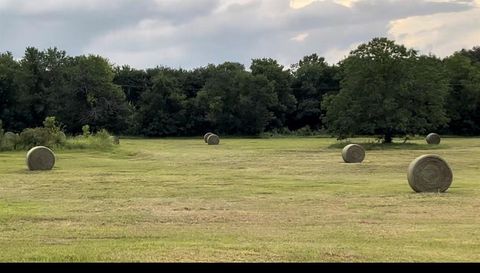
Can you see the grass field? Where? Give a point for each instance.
(283, 199)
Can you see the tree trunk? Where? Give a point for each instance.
(388, 136)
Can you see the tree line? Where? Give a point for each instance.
(381, 88)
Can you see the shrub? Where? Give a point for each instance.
(102, 140)
(51, 135)
(86, 130)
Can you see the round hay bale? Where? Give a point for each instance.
(62, 136)
(429, 173)
(116, 140)
(353, 153)
(205, 137)
(40, 158)
(11, 137)
(433, 138)
(213, 139)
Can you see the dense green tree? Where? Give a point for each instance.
(162, 108)
(32, 94)
(313, 78)
(197, 122)
(41, 82)
(281, 80)
(473, 54)
(387, 90)
(56, 64)
(219, 97)
(257, 101)
(92, 97)
(134, 82)
(463, 105)
(8, 88)
(236, 101)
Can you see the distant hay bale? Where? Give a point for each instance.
(353, 153)
(10, 140)
(429, 173)
(213, 139)
(205, 137)
(116, 140)
(40, 158)
(433, 138)
(11, 137)
(62, 136)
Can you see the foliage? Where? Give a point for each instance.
(281, 80)
(313, 79)
(162, 108)
(9, 87)
(463, 105)
(387, 90)
(50, 135)
(86, 130)
(236, 101)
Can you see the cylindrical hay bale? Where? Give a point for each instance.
(11, 137)
(62, 137)
(433, 138)
(429, 173)
(353, 153)
(40, 158)
(213, 139)
(205, 137)
(115, 140)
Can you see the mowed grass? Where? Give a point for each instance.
(285, 199)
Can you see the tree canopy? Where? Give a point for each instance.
(387, 90)
(382, 88)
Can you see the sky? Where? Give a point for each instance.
(193, 33)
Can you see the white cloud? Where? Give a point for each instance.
(300, 37)
(440, 34)
(191, 33)
(43, 6)
(347, 3)
(298, 4)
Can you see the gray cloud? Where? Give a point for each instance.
(194, 33)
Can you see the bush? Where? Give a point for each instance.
(102, 140)
(8, 140)
(304, 131)
(32, 137)
(51, 135)
(86, 131)
(3, 145)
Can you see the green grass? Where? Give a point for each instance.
(283, 199)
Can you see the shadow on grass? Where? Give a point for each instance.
(388, 146)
